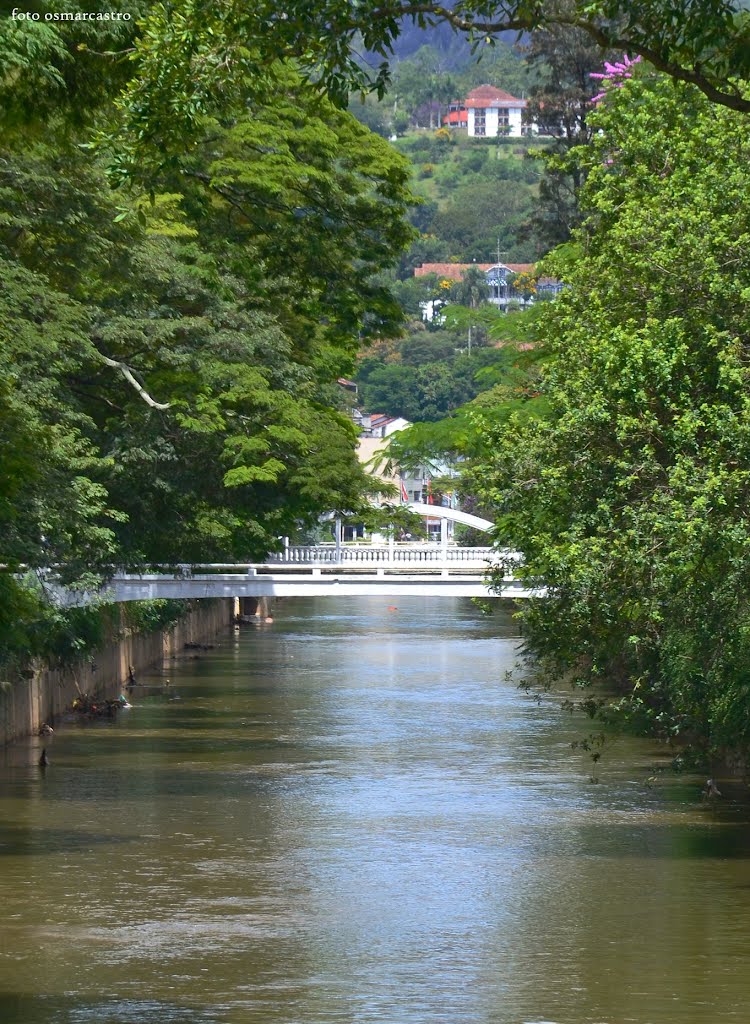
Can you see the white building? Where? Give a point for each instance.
(501, 281)
(492, 112)
(413, 486)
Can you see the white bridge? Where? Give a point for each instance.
(413, 569)
(418, 570)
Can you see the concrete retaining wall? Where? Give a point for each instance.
(26, 704)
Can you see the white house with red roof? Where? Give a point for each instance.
(491, 112)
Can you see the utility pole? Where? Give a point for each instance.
(500, 253)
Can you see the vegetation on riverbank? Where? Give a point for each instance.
(629, 499)
(169, 344)
(169, 348)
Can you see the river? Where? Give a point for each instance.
(352, 815)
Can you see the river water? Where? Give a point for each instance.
(352, 815)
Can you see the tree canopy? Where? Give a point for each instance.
(629, 499)
(170, 350)
(195, 57)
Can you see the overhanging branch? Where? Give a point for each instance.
(724, 95)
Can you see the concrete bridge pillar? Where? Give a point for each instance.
(253, 607)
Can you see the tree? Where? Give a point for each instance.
(471, 290)
(630, 500)
(422, 347)
(423, 86)
(393, 389)
(371, 114)
(495, 63)
(168, 357)
(559, 103)
(196, 58)
(478, 214)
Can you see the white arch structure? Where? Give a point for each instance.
(450, 515)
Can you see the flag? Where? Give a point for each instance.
(429, 493)
(404, 495)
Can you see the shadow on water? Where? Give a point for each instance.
(667, 840)
(20, 1009)
(16, 841)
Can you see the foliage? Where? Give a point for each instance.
(507, 382)
(428, 376)
(153, 616)
(472, 197)
(560, 103)
(196, 58)
(424, 87)
(393, 520)
(169, 356)
(630, 501)
(471, 290)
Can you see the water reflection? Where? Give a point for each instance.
(351, 815)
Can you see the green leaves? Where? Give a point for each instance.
(631, 500)
(169, 352)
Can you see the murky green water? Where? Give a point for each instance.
(350, 816)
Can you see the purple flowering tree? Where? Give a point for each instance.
(614, 75)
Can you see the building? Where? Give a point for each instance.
(502, 280)
(377, 424)
(414, 485)
(493, 112)
(457, 116)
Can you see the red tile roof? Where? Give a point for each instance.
(455, 271)
(489, 96)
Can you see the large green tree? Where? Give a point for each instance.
(560, 102)
(630, 501)
(169, 352)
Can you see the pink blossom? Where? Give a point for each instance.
(614, 74)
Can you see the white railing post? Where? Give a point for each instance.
(338, 539)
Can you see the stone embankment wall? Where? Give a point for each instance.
(25, 705)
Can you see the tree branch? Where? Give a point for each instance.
(729, 97)
(128, 375)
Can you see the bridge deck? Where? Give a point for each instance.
(312, 584)
(414, 570)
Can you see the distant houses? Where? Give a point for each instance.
(508, 282)
(457, 116)
(488, 112)
(413, 485)
(379, 425)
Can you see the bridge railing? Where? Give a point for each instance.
(371, 554)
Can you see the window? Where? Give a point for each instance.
(480, 118)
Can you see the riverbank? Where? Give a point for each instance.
(42, 697)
